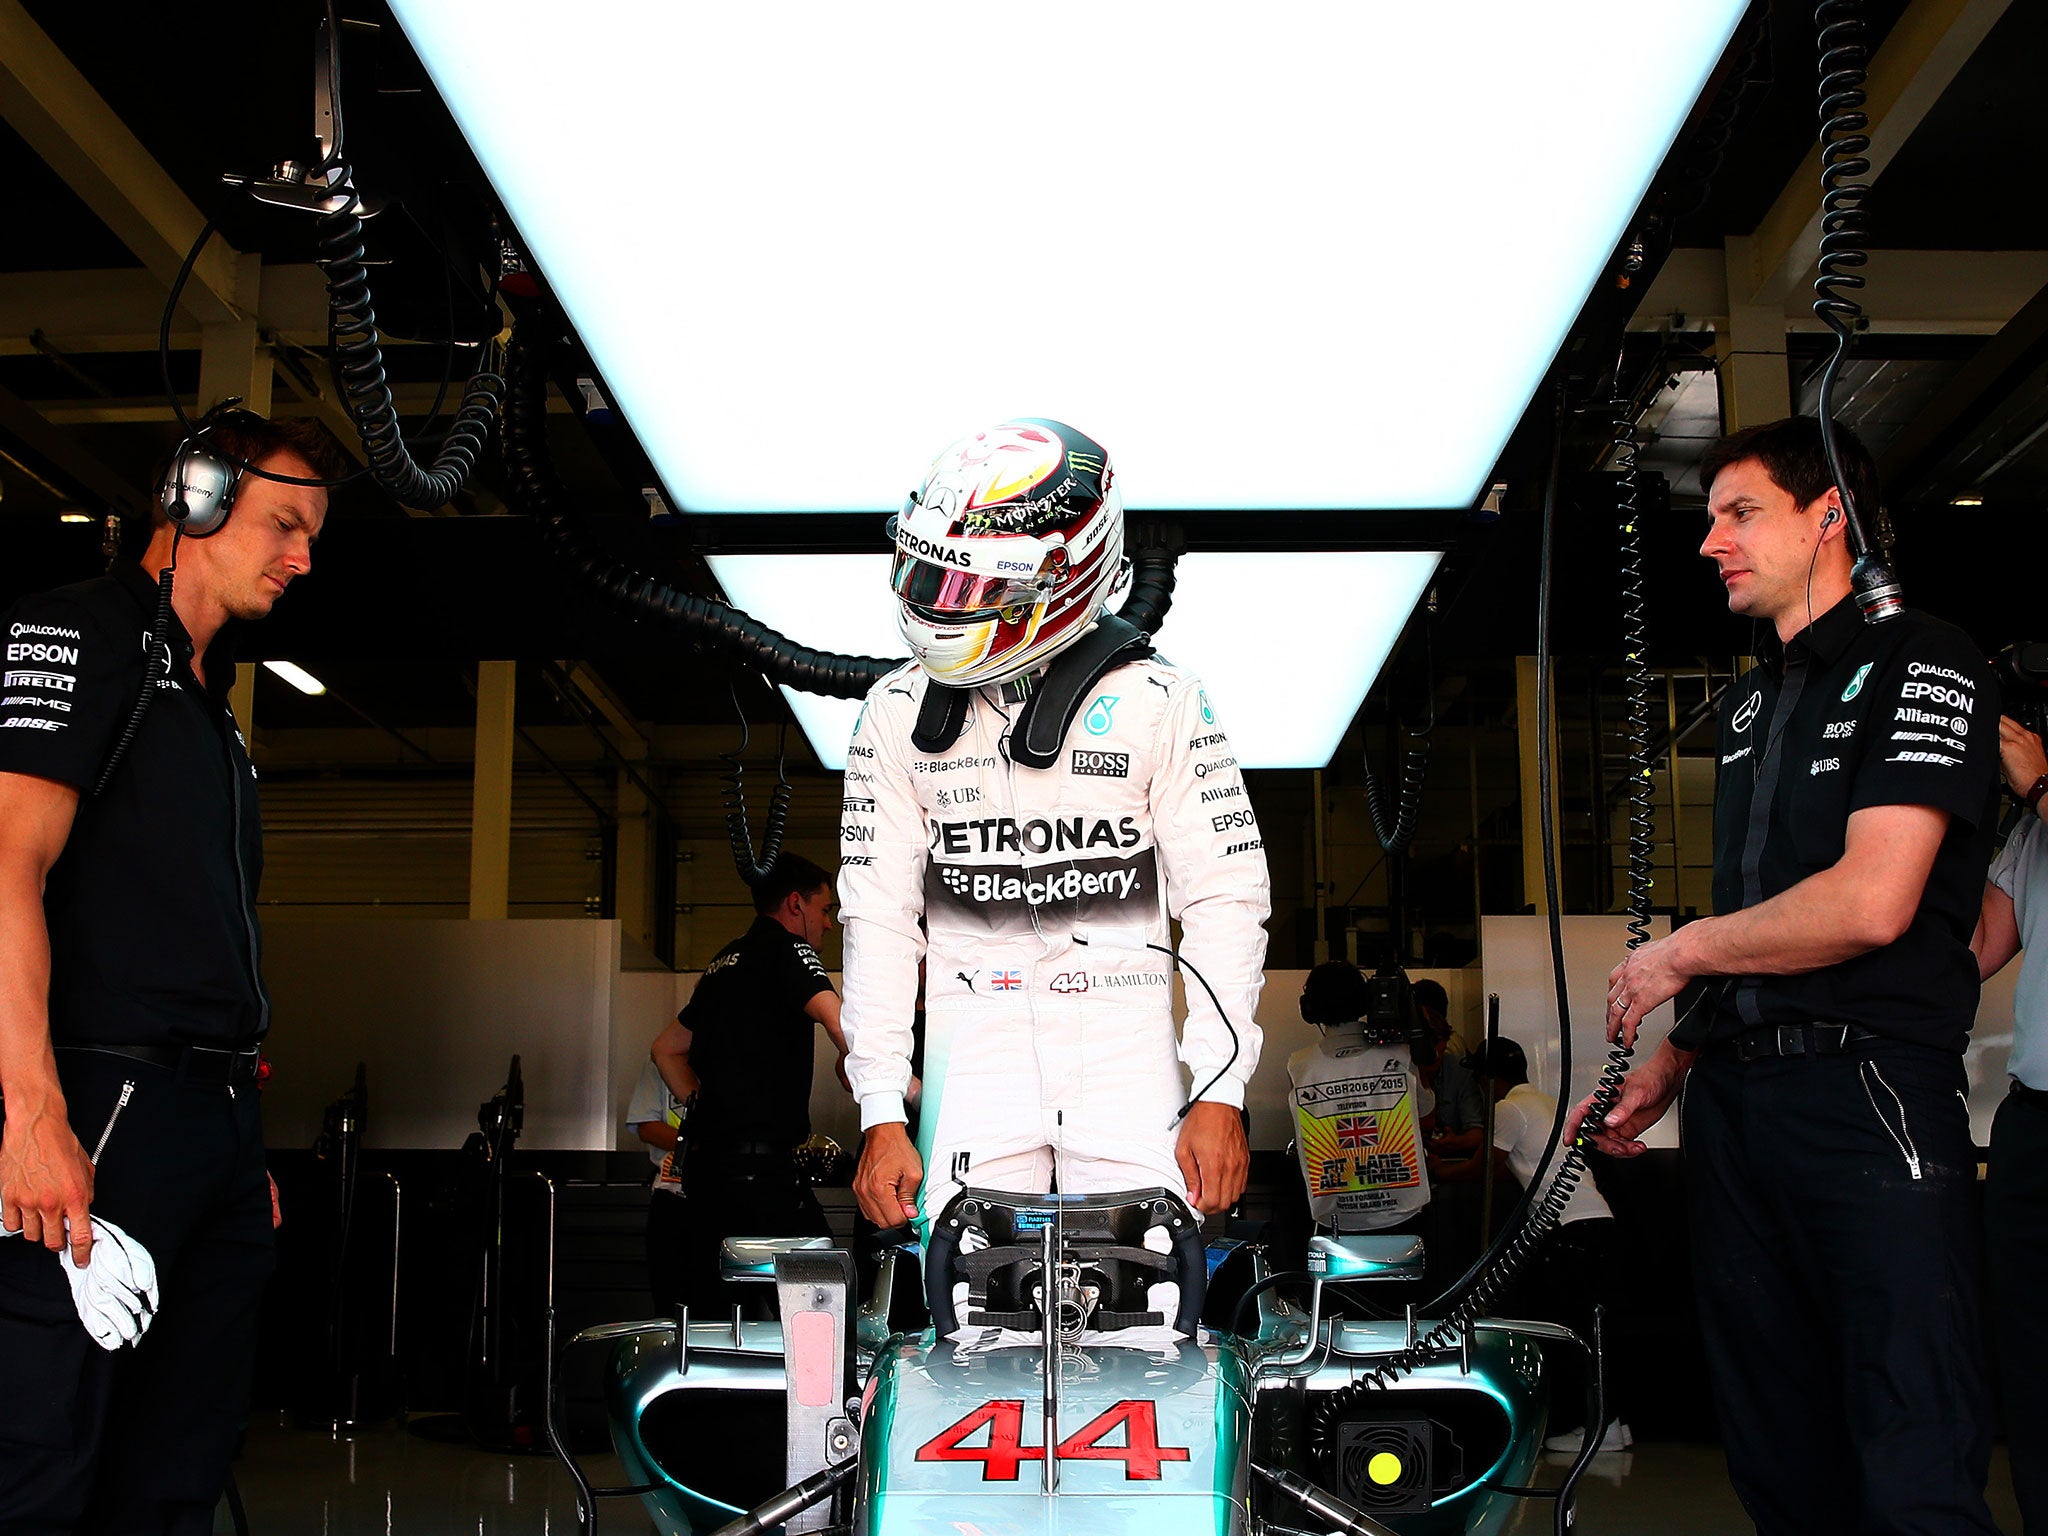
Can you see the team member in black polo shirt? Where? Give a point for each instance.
(1829, 1165)
(742, 1047)
(131, 1002)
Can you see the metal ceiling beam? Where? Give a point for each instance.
(1949, 293)
(1942, 424)
(1921, 55)
(118, 309)
(53, 107)
(54, 448)
(606, 701)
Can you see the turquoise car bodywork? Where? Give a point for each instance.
(1156, 1434)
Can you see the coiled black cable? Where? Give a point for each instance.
(1397, 832)
(754, 870)
(1469, 1297)
(1636, 728)
(154, 667)
(1845, 159)
(539, 492)
(358, 363)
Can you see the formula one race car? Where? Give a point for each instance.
(864, 1419)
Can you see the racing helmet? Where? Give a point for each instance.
(1007, 551)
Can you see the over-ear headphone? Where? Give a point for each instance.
(199, 488)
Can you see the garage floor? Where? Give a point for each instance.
(385, 1482)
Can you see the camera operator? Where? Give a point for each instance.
(2015, 917)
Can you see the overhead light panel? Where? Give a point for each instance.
(1254, 250)
(298, 677)
(1285, 643)
(73, 515)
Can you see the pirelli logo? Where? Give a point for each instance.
(49, 682)
(1102, 765)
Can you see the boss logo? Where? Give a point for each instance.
(1102, 765)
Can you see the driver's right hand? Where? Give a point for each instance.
(1646, 1093)
(890, 1172)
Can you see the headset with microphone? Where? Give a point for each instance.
(199, 487)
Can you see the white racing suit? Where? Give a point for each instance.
(1037, 1042)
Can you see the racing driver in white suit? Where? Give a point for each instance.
(1033, 864)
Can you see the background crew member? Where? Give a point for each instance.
(657, 1117)
(1460, 1109)
(1576, 1268)
(742, 1048)
(131, 1002)
(2015, 916)
(1829, 1166)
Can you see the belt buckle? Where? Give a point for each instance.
(1831, 1037)
(1789, 1040)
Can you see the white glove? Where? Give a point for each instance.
(116, 1292)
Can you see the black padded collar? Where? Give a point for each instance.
(1047, 715)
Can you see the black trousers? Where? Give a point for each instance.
(1834, 1241)
(742, 1198)
(668, 1226)
(139, 1440)
(2016, 1241)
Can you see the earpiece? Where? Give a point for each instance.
(1834, 516)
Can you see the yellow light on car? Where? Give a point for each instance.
(1384, 1469)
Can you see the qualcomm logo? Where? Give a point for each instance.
(1097, 719)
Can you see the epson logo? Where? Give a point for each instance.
(1231, 819)
(1102, 765)
(999, 834)
(38, 650)
(925, 549)
(1954, 698)
(52, 630)
(856, 834)
(53, 682)
(1224, 792)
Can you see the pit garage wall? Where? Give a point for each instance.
(436, 1008)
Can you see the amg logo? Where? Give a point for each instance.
(1255, 843)
(1102, 765)
(1227, 792)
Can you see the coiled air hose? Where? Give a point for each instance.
(1397, 832)
(358, 361)
(539, 492)
(1845, 148)
(1469, 1297)
(752, 869)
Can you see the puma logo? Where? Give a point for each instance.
(966, 978)
(1160, 684)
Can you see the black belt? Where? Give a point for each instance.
(1799, 1040)
(743, 1151)
(228, 1065)
(2033, 1096)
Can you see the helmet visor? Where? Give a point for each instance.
(942, 591)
